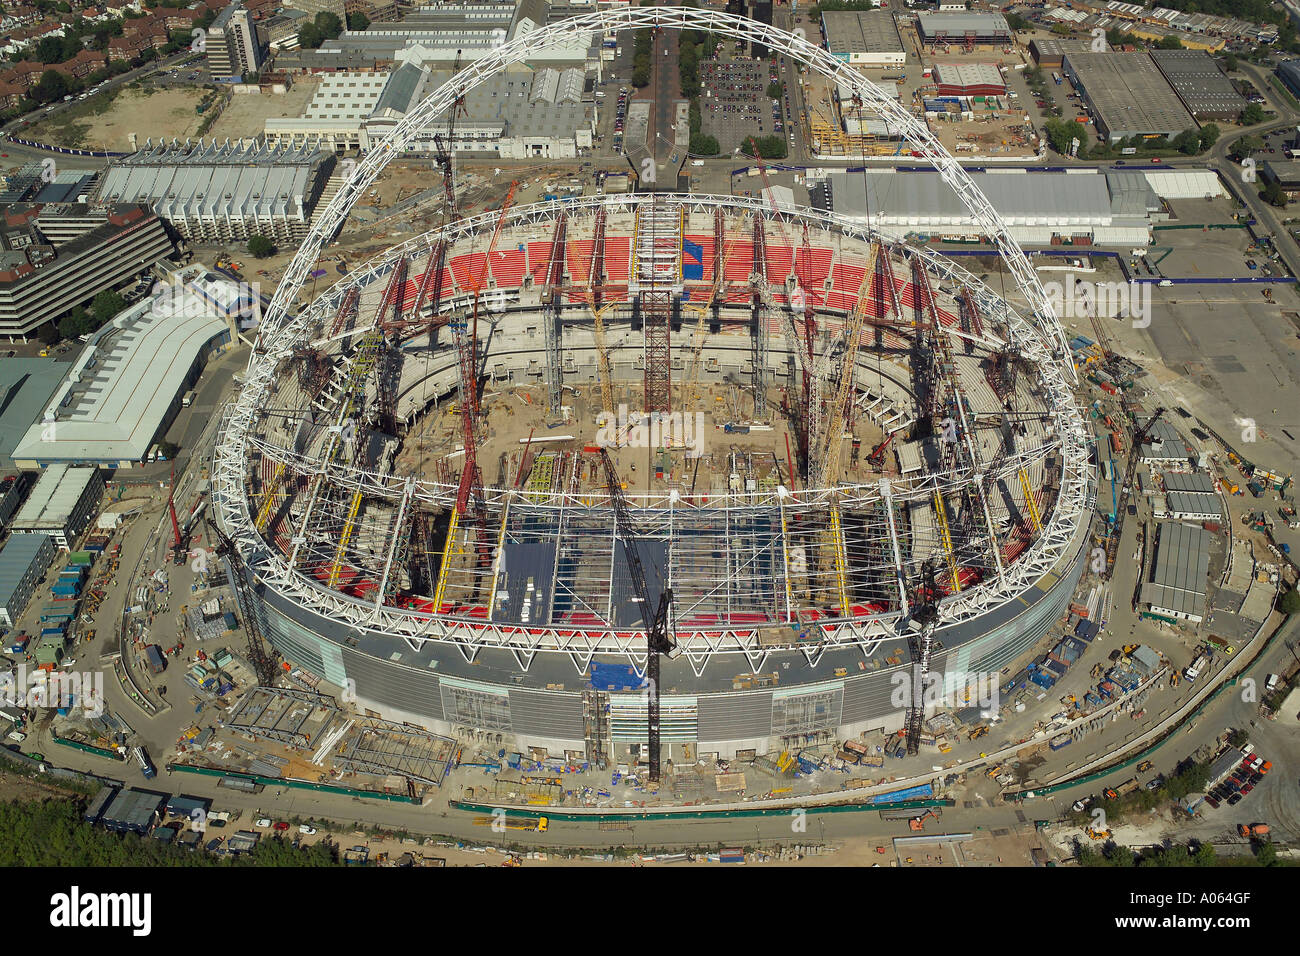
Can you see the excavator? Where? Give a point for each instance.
(918, 823)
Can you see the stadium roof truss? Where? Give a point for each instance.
(1039, 340)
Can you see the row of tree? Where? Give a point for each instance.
(52, 833)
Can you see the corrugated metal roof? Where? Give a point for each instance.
(1178, 579)
(56, 493)
(16, 559)
(1021, 198)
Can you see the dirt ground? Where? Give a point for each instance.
(149, 112)
(247, 113)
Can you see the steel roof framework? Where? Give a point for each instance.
(1040, 339)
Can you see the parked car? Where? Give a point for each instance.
(262, 822)
(281, 827)
(308, 831)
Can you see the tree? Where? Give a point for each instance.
(1060, 134)
(259, 247)
(1244, 146)
(309, 37)
(53, 86)
(329, 25)
(357, 22)
(704, 145)
(641, 75)
(1252, 114)
(1169, 42)
(168, 449)
(1230, 63)
(1273, 195)
(1061, 29)
(1290, 602)
(774, 90)
(1209, 136)
(106, 305)
(1016, 22)
(1188, 142)
(48, 334)
(769, 147)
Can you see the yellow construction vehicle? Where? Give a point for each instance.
(539, 825)
(978, 732)
(1098, 834)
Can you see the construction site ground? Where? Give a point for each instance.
(105, 121)
(246, 114)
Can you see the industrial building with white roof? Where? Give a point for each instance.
(863, 38)
(1176, 588)
(1108, 208)
(516, 114)
(224, 192)
(61, 504)
(120, 395)
(1128, 95)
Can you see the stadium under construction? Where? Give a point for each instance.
(835, 442)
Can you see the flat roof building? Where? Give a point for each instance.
(969, 79)
(864, 38)
(1128, 95)
(24, 559)
(1036, 206)
(26, 386)
(61, 504)
(1177, 585)
(1196, 78)
(227, 192)
(55, 258)
(1164, 445)
(133, 811)
(516, 114)
(121, 394)
(963, 29)
(1049, 52)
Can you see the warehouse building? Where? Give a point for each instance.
(1285, 173)
(227, 192)
(1128, 95)
(1196, 78)
(440, 36)
(133, 811)
(55, 258)
(1049, 53)
(1164, 446)
(1037, 207)
(516, 114)
(24, 559)
(969, 79)
(61, 504)
(1289, 73)
(26, 386)
(1177, 586)
(864, 38)
(1190, 496)
(121, 394)
(963, 29)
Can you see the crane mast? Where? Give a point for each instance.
(658, 631)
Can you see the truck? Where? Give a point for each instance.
(146, 765)
(188, 399)
(1193, 670)
(153, 655)
(1252, 830)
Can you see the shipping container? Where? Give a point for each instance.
(1062, 740)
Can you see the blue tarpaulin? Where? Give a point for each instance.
(692, 260)
(615, 677)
